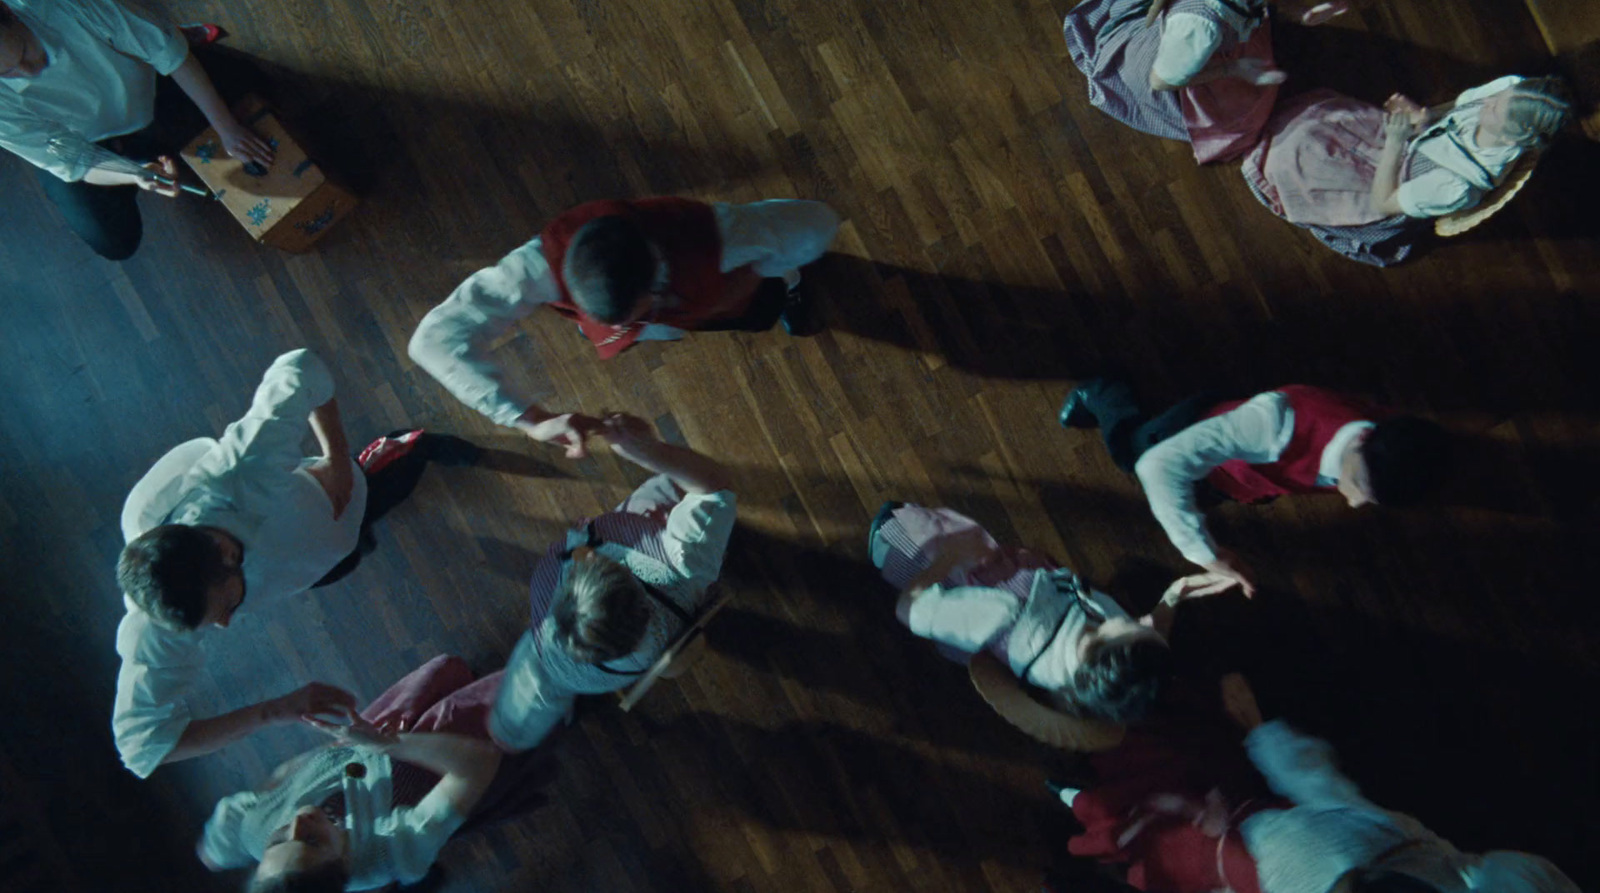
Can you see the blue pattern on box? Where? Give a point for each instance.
(318, 223)
(206, 152)
(258, 213)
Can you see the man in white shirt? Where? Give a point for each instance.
(641, 270)
(76, 73)
(1295, 439)
(249, 515)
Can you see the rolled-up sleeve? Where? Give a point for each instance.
(964, 617)
(160, 45)
(28, 136)
(1301, 768)
(222, 845)
(1256, 432)
(776, 236)
(452, 343)
(697, 534)
(158, 669)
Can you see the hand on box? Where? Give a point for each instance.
(244, 144)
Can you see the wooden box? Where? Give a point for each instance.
(288, 206)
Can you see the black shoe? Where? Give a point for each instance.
(1075, 412)
(799, 318)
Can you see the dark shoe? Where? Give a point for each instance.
(201, 34)
(799, 318)
(1075, 412)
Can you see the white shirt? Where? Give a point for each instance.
(1442, 191)
(1257, 432)
(1188, 40)
(386, 843)
(453, 341)
(253, 484)
(101, 80)
(1332, 829)
(969, 618)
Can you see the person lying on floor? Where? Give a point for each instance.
(961, 589)
(1364, 180)
(1188, 808)
(377, 805)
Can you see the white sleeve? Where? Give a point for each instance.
(28, 136)
(1256, 432)
(158, 669)
(964, 617)
(1187, 42)
(1487, 90)
(778, 235)
(697, 534)
(257, 453)
(1435, 194)
(453, 341)
(1301, 768)
(222, 843)
(419, 833)
(161, 46)
(1504, 871)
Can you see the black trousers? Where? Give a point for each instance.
(107, 218)
(393, 484)
(766, 306)
(1129, 431)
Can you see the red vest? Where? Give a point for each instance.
(686, 233)
(1318, 416)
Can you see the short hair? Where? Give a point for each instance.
(1123, 680)
(1368, 879)
(601, 611)
(327, 877)
(1406, 459)
(1538, 109)
(608, 265)
(167, 571)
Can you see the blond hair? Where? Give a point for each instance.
(601, 611)
(1538, 109)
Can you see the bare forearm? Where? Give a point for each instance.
(688, 469)
(196, 84)
(329, 429)
(100, 176)
(1386, 180)
(203, 736)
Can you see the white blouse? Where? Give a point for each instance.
(1443, 191)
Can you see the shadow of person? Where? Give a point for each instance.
(1369, 65)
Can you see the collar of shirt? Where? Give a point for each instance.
(1332, 454)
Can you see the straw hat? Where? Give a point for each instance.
(1016, 705)
(1459, 222)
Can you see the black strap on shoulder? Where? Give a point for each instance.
(1074, 585)
(592, 541)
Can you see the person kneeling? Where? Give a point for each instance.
(967, 593)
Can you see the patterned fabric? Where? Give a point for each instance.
(1111, 45)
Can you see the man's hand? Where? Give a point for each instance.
(312, 700)
(347, 727)
(1237, 573)
(567, 430)
(244, 144)
(1197, 586)
(337, 480)
(165, 168)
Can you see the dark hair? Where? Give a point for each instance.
(608, 266)
(327, 877)
(6, 15)
(1406, 458)
(1381, 880)
(1123, 680)
(601, 611)
(167, 571)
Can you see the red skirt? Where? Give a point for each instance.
(1168, 805)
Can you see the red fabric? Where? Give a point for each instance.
(1183, 759)
(686, 233)
(1318, 416)
(439, 696)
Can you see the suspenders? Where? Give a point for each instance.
(655, 595)
(1067, 585)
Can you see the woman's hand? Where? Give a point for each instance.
(165, 168)
(1397, 127)
(1197, 586)
(244, 144)
(1402, 104)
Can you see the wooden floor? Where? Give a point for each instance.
(1002, 239)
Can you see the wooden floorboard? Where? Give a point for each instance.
(1002, 238)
